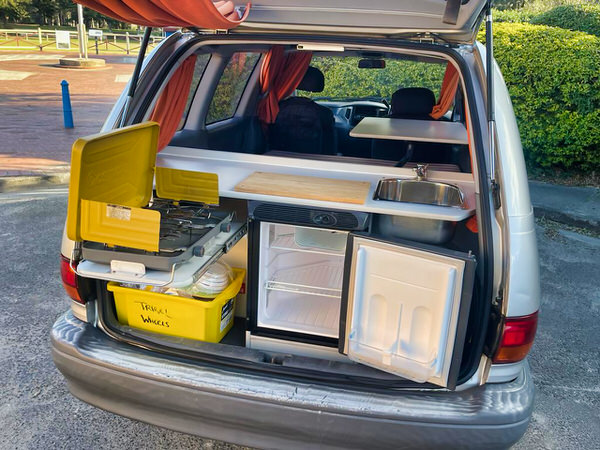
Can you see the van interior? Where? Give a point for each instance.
(377, 293)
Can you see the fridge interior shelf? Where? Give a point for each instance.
(288, 242)
(299, 312)
(320, 279)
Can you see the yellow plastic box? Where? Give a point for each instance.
(207, 321)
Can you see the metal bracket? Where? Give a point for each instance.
(427, 38)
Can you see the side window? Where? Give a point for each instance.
(201, 63)
(231, 86)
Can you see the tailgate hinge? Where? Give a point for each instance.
(495, 325)
(427, 38)
(496, 194)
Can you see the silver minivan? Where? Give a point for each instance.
(358, 165)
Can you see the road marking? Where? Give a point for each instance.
(29, 57)
(9, 75)
(122, 78)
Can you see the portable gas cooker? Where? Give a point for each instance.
(185, 230)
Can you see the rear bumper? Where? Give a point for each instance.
(267, 412)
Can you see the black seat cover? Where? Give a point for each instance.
(303, 126)
(412, 103)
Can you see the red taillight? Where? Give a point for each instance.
(69, 279)
(517, 338)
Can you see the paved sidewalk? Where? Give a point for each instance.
(35, 148)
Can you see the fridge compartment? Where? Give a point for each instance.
(301, 271)
(300, 312)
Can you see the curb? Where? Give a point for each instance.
(566, 219)
(31, 181)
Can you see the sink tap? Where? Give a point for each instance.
(421, 171)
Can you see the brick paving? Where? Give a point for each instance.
(32, 136)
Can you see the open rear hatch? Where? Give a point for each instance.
(451, 20)
(454, 21)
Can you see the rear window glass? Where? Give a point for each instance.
(231, 86)
(201, 63)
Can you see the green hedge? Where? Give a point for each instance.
(553, 76)
(572, 17)
(513, 15)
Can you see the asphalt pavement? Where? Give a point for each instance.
(37, 411)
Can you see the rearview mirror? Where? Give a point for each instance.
(371, 64)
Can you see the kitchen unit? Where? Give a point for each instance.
(341, 284)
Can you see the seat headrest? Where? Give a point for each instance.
(313, 81)
(412, 103)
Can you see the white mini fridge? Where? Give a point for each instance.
(399, 306)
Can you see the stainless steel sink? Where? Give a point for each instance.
(419, 191)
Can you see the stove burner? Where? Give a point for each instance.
(183, 224)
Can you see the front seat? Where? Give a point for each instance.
(302, 125)
(412, 103)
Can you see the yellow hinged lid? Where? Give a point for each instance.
(120, 225)
(115, 167)
(176, 184)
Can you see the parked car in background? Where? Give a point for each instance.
(334, 246)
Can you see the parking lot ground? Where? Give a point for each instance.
(37, 411)
(31, 122)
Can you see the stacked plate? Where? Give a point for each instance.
(213, 282)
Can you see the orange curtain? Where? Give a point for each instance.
(165, 13)
(280, 74)
(447, 93)
(171, 103)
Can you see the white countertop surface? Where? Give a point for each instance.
(232, 168)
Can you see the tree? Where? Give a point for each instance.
(12, 11)
(43, 11)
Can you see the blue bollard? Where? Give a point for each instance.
(66, 100)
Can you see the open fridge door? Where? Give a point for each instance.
(405, 308)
